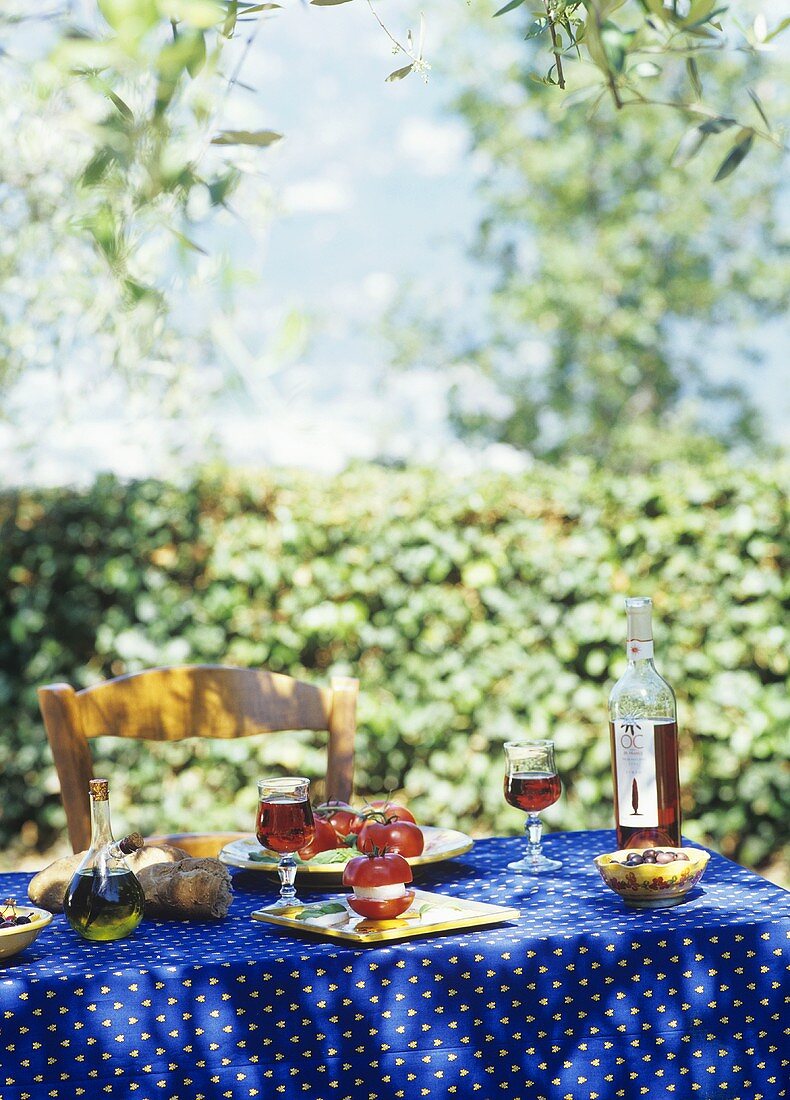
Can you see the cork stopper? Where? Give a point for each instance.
(131, 843)
(99, 789)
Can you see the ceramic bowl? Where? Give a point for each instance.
(652, 885)
(18, 937)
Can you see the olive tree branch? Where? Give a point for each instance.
(700, 109)
(554, 45)
(389, 33)
(416, 58)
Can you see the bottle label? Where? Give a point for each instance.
(638, 650)
(635, 755)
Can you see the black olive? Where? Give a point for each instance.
(665, 857)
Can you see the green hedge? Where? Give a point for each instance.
(471, 611)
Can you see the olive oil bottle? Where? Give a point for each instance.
(104, 900)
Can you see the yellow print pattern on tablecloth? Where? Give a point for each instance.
(602, 1004)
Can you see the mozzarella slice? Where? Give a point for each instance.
(380, 893)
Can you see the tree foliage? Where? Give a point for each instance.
(119, 148)
(622, 46)
(146, 82)
(106, 170)
(627, 295)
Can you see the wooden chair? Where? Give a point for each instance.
(170, 704)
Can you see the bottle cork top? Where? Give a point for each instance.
(131, 843)
(99, 789)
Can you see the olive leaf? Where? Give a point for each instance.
(246, 137)
(123, 108)
(509, 7)
(736, 155)
(781, 26)
(187, 242)
(759, 107)
(399, 74)
(688, 146)
(694, 77)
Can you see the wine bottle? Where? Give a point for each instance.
(105, 900)
(644, 741)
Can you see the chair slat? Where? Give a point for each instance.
(170, 704)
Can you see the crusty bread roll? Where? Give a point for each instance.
(48, 888)
(191, 889)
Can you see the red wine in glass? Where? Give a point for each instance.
(284, 825)
(532, 784)
(532, 791)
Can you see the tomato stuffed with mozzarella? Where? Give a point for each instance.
(379, 883)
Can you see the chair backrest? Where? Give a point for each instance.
(170, 704)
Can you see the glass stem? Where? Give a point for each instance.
(533, 828)
(287, 873)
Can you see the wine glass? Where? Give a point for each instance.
(532, 784)
(284, 825)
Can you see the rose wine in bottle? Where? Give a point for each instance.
(644, 739)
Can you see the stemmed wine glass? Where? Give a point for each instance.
(284, 825)
(532, 784)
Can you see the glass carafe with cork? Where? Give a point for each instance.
(105, 900)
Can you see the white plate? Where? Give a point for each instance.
(440, 845)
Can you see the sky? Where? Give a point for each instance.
(372, 188)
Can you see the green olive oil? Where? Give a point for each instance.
(105, 900)
(106, 907)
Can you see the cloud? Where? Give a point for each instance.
(432, 147)
(321, 195)
(380, 288)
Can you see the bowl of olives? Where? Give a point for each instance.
(19, 926)
(652, 878)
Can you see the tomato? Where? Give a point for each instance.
(375, 871)
(403, 837)
(343, 818)
(323, 840)
(378, 882)
(391, 809)
(381, 910)
(372, 871)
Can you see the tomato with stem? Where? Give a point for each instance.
(381, 832)
(343, 818)
(391, 809)
(379, 884)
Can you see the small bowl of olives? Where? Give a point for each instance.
(19, 926)
(652, 878)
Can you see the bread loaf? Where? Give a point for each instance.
(48, 888)
(191, 889)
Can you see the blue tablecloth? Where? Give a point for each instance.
(581, 999)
